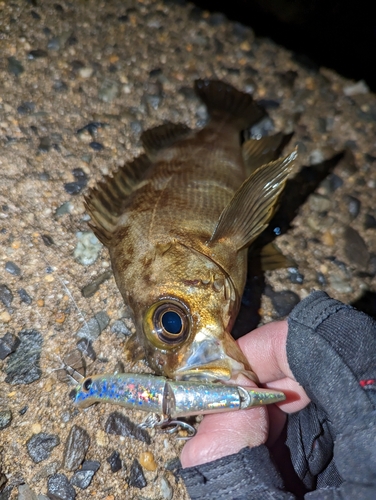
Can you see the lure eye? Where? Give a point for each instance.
(167, 324)
(87, 384)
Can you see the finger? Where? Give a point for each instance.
(265, 349)
(296, 398)
(223, 434)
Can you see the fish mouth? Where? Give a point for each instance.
(208, 360)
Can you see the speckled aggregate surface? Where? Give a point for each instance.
(78, 82)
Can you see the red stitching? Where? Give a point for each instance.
(370, 381)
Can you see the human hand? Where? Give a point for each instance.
(223, 434)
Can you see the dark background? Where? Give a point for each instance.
(338, 34)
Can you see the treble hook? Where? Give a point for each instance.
(177, 425)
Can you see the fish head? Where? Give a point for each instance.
(184, 317)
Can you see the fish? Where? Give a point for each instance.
(178, 221)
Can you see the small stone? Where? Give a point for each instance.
(44, 144)
(58, 488)
(120, 425)
(47, 240)
(94, 327)
(353, 206)
(15, 67)
(6, 296)
(147, 461)
(8, 344)
(87, 248)
(24, 296)
(26, 108)
(76, 447)
(108, 90)
(85, 72)
(5, 418)
(120, 329)
(65, 208)
(136, 476)
(79, 184)
(91, 288)
(328, 239)
(166, 489)
(283, 302)
(96, 146)
(82, 478)
(173, 464)
(340, 282)
(369, 222)
(86, 347)
(23, 365)
(23, 410)
(357, 88)
(37, 54)
(115, 461)
(60, 86)
(355, 248)
(295, 276)
(39, 446)
(26, 493)
(319, 203)
(12, 268)
(5, 317)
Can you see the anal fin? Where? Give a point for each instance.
(272, 258)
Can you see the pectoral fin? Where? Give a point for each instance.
(252, 206)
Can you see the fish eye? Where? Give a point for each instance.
(167, 324)
(87, 384)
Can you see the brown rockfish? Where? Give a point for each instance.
(178, 221)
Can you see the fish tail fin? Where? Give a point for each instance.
(225, 102)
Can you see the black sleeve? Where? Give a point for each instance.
(331, 350)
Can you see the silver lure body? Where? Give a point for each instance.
(171, 398)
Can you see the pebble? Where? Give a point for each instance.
(295, 276)
(23, 365)
(115, 461)
(339, 281)
(147, 461)
(93, 286)
(357, 88)
(5, 317)
(91, 128)
(369, 222)
(136, 475)
(76, 447)
(355, 248)
(39, 446)
(15, 67)
(26, 108)
(65, 208)
(86, 347)
(353, 206)
(87, 248)
(5, 418)
(26, 493)
(85, 72)
(12, 268)
(6, 296)
(58, 488)
(8, 344)
(96, 146)
(24, 296)
(166, 489)
(44, 144)
(60, 86)
(120, 329)
(82, 478)
(37, 54)
(120, 425)
(319, 203)
(79, 184)
(283, 302)
(108, 91)
(94, 327)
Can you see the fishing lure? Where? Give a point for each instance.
(170, 399)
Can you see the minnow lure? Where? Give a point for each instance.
(169, 398)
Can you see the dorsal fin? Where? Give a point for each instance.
(226, 102)
(258, 152)
(105, 202)
(253, 204)
(163, 136)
